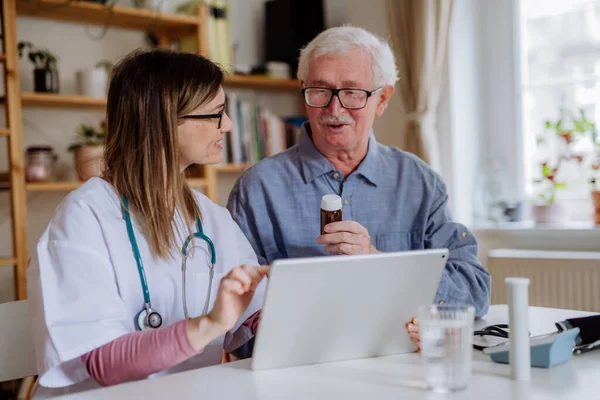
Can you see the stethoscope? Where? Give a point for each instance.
(148, 317)
(498, 330)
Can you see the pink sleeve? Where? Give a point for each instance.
(252, 322)
(139, 354)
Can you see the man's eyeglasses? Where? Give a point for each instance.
(351, 99)
(207, 116)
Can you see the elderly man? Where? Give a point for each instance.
(392, 201)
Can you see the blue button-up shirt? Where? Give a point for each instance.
(400, 200)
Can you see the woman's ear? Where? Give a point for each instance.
(386, 94)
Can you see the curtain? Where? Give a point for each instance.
(419, 38)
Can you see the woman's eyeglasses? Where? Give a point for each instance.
(207, 116)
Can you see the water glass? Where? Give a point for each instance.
(446, 332)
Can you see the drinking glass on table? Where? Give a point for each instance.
(446, 334)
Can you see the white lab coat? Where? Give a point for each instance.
(84, 287)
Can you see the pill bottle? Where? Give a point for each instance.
(331, 210)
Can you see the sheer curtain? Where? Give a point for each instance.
(419, 38)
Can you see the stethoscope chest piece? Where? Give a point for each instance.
(148, 318)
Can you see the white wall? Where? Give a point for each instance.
(75, 49)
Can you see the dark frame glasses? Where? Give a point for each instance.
(207, 116)
(335, 92)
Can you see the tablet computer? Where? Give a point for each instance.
(333, 308)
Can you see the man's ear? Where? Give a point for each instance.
(386, 94)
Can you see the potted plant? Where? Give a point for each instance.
(564, 134)
(88, 149)
(45, 73)
(547, 209)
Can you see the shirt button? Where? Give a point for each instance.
(336, 175)
(464, 235)
(346, 201)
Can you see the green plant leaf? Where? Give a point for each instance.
(560, 185)
(546, 170)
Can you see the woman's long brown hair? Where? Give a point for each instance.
(148, 94)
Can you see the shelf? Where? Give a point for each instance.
(262, 82)
(231, 167)
(59, 186)
(197, 182)
(61, 100)
(67, 186)
(2, 57)
(98, 14)
(4, 132)
(30, 99)
(4, 261)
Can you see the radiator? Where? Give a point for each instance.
(558, 279)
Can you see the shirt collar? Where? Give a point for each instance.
(314, 164)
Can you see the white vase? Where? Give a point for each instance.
(156, 5)
(554, 213)
(92, 82)
(89, 161)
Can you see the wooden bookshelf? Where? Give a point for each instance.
(61, 100)
(67, 186)
(30, 99)
(58, 186)
(4, 132)
(197, 182)
(231, 167)
(5, 261)
(261, 82)
(98, 14)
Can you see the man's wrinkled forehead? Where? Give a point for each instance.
(350, 70)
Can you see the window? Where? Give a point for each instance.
(560, 78)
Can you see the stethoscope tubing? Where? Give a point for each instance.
(136, 253)
(138, 259)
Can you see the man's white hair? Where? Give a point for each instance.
(339, 41)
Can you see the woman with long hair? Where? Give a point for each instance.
(136, 274)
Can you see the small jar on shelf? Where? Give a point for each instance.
(40, 164)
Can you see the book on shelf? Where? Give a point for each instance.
(257, 132)
(223, 49)
(218, 36)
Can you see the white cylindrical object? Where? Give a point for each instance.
(92, 82)
(519, 356)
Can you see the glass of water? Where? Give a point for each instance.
(446, 333)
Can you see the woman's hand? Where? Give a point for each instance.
(235, 293)
(413, 331)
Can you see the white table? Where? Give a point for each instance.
(394, 377)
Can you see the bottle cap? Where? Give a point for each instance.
(331, 202)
